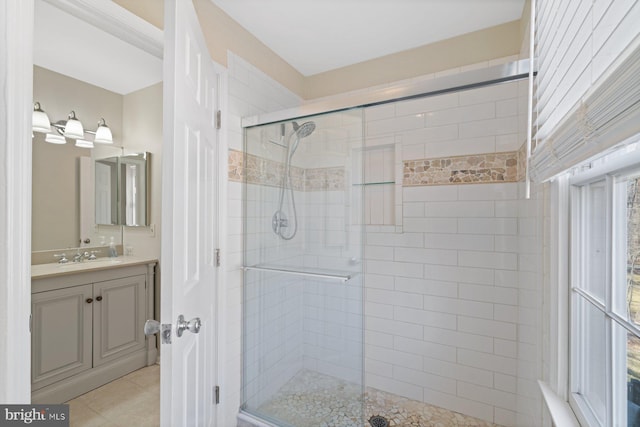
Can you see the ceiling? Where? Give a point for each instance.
(315, 36)
(68, 45)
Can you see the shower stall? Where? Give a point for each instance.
(406, 216)
(303, 283)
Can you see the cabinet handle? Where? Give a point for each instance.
(89, 300)
(99, 298)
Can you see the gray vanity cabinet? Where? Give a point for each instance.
(88, 329)
(62, 332)
(118, 318)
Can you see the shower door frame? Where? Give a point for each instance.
(508, 72)
(305, 273)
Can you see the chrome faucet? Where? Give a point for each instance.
(62, 258)
(81, 256)
(78, 257)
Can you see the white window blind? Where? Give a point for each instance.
(588, 82)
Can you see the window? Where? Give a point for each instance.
(605, 294)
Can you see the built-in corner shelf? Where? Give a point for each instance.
(319, 273)
(375, 183)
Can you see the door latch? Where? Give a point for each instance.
(152, 327)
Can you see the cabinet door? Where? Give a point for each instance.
(118, 318)
(61, 335)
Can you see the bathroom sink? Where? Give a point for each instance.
(94, 262)
(105, 261)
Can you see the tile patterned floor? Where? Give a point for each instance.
(311, 399)
(133, 400)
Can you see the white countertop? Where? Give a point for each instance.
(41, 271)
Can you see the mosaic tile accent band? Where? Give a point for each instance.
(522, 163)
(269, 172)
(474, 169)
(262, 171)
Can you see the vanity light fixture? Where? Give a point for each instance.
(54, 138)
(40, 120)
(83, 143)
(71, 128)
(103, 133)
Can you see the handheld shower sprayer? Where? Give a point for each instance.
(279, 219)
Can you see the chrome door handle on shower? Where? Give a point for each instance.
(192, 325)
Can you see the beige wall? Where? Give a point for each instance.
(135, 120)
(142, 131)
(55, 217)
(223, 34)
(484, 45)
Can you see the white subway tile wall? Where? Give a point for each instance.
(295, 322)
(437, 320)
(250, 92)
(274, 337)
(529, 314)
(442, 309)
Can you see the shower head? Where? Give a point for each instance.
(300, 131)
(304, 130)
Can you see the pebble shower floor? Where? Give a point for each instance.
(311, 399)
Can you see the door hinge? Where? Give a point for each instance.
(217, 261)
(218, 119)
(30, 322)
(216, 395)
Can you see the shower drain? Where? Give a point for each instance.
(378, 421)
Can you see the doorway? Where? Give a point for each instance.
(129, 97)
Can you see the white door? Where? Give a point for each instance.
(189, 220)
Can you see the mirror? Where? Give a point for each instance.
(106, 191)
(61, 185)
(121, 190)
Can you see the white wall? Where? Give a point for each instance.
(447, 319)
(273, 311)
(442, 301)
(296, 322)
(531, 340)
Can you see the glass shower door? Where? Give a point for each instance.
(303, 284)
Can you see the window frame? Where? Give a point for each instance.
(612, 172)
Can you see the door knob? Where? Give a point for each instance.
(151, 327)
(192, 325)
